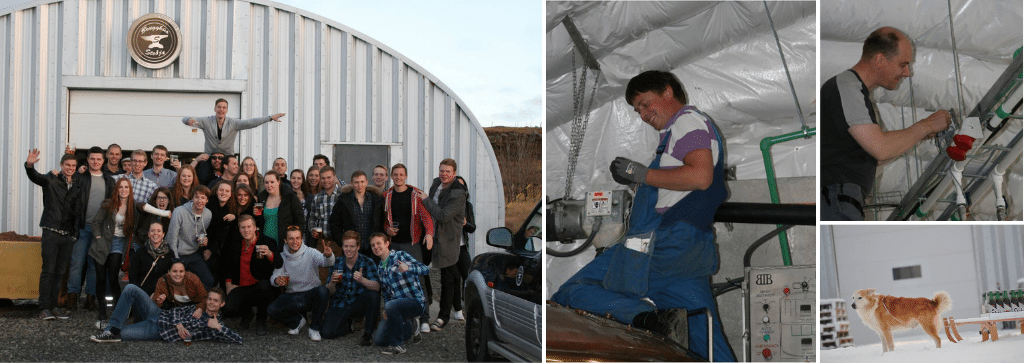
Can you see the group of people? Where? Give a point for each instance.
(217, 239)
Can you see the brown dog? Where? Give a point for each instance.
(884, 313)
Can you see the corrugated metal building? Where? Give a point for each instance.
(62, 63)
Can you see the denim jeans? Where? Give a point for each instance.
(56, 253)
(398, 326)
(195, 263)
(79, 259)
(287, 309)
(338, 320)
(133, 299)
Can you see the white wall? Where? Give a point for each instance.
(866, 255)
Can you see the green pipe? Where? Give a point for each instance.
(773, 188)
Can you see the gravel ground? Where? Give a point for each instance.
(25, 337)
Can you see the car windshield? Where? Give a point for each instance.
(533, 233)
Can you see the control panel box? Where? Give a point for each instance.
(780, 309)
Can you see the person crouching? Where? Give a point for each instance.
(300, 277)
(402, 294)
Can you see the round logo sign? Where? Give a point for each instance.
(154, 40)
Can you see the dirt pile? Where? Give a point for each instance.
(12, 236)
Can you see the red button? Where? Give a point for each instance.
(767, 353)
(785, 291)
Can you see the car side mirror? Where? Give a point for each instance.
(499, 237)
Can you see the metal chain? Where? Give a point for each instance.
(580, 119)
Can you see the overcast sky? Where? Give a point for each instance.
(487, 52)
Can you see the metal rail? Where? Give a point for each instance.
(937, 169)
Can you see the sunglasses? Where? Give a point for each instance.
(217, 157)
(292, 228)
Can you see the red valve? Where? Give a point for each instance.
(956, 153)
(767, 353)
(963, 141)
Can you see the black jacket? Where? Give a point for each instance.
(141, 262)
(205, 172)
(260, 268)
(86, 181)
(60, 202)
(220, 231)
(289, 213)
(345, 208)
(470, 225)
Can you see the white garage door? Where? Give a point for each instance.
(141, 120)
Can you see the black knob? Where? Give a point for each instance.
(765, 307)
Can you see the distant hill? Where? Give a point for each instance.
(518, 152)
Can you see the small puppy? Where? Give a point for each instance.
(884, 313)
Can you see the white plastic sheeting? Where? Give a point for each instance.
(724, 54)
(987, 34)
(728, 61)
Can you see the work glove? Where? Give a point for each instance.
(627, 172)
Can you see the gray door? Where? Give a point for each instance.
(349, 158)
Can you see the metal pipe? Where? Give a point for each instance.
(956, 61)
(995, 178)
(800, 112)
(913, 117)
(936, 193)
(769, 170)
(903, 123)
(766, 213)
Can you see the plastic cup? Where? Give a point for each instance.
(174, 157)
(188, 342)
(257, 209)
(201, 239)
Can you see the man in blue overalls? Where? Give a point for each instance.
(673, 209)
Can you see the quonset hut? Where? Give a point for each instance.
(69, 76)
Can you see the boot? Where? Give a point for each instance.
(670, 322)
(261, 327)
(72, 303)
(90, 303)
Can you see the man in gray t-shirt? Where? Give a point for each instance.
(853, 140)
(96, 186)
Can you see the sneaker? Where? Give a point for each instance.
(101, 324)
(295, 331)
(46, 314)
(424, 328)
(314, 335)
(438, 325)
(458, 316)
(367, 340)
(106, 337)
(416, 337)
(393, 350)
(60, 314)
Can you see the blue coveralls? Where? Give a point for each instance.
(680, 268)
